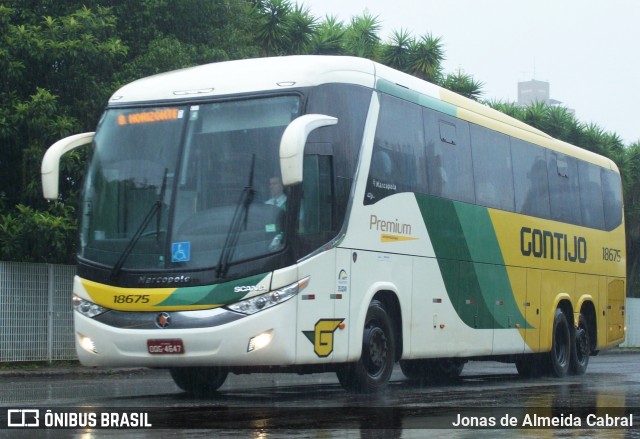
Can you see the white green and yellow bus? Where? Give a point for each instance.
(413, 225)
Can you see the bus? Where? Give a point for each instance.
(413, 226)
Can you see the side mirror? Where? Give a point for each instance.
(292, 145)
(50, 168)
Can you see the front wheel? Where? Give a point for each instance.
(371, 373)
(199, 381)
(560, 355)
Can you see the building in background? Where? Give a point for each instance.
(533, 91)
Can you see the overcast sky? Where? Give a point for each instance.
(586, 49)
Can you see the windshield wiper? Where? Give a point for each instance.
(156, 209)
(240, 216)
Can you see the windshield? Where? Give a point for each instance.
(186, 186)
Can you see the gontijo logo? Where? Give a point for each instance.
(547, 244)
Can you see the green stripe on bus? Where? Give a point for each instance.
(219, 294)
(471, 263)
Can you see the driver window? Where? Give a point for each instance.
(316, 210)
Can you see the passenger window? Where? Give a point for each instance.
(448, 156)
(397, 151)
(591, 205)
(492, 168)
(612, 196)
(530, 181)
(563, 188)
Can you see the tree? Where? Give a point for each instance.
(463, 84)
(396, 54)
(425, 59)
(361, 37)
(328, 38)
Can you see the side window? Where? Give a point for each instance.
(492, 168)
(530, 179)
(591, 205)
(316, 213)
(563, 188)
(397, 151)
(612, 196)
(448, 154)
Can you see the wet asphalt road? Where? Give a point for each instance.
(289, 405)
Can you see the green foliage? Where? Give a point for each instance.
(328, 38)
(463, 84)
(361, 37)
(29, 235)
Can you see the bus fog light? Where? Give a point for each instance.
(260, 341)
(87, 344)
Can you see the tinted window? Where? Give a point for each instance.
(397, 162)
(492, 168)
(530, 179)
(591, 206)
(448, 156)
(612, 196)
(563, 188)
(350, 104)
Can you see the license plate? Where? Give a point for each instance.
(172, 346)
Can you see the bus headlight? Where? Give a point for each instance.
(267, 300)
(87, 308)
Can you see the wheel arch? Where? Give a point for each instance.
(391, 303)
(564, 304)
(388, 295)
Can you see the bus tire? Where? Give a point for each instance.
(371, 373)
(580, 348)
(199, 381)
(560, 355)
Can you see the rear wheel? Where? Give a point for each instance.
(580, 348)
(199, 381)
(371, 373)
(560, 355)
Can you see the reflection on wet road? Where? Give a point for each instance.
(487, 395)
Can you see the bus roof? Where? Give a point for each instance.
(281, 73)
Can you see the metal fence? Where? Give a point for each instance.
(36, 315)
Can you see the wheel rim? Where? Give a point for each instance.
(376, 349)
(582, 345)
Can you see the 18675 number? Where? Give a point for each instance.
(611, 254)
